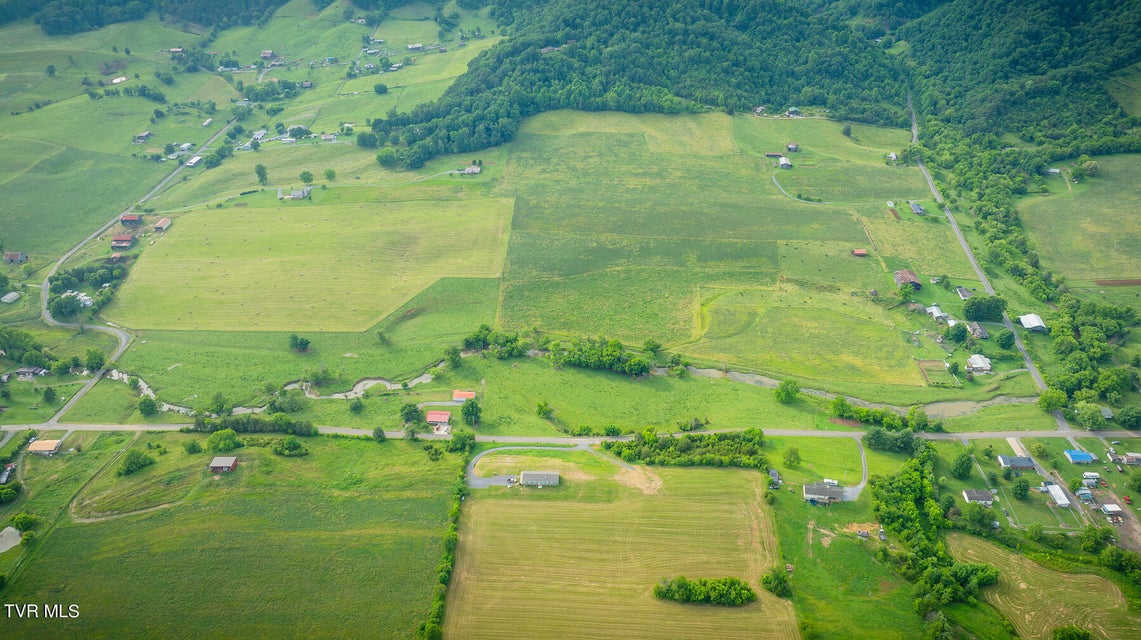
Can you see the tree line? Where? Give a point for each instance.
(253, 423)
(733, 449)
(727, 592)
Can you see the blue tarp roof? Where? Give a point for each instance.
(1075, 455)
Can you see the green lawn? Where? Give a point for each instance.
(355, 509)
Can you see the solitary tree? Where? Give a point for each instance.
(298, 344)
(847, 130)
(95, 360)
(787, 391)
(223, 440)
(1021, 488)
(410, 413)
(330, 174)
(51, 70)
(49, 395)
(792, 457)
(453, 356)
(470, 411)
(379, 435)
(262, 173)
(380, 88)
(961, 468)
(307, 177)
(1004, 338)
(147, 406)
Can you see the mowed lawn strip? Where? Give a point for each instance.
(579, 568)
(1036, 599)
(314, 268)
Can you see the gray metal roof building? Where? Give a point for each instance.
(539, 478)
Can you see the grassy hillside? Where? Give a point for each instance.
(352, 508)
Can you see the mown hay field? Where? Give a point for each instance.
(317, 268)
(581, 560)
(1036, 599)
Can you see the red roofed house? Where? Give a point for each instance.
(860, 253)
(122, 241)
(131, 219)
(907, 276)
(162, 225)
(438, 417)
(460, 396)
(15, 257)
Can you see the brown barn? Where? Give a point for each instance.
(223, 464)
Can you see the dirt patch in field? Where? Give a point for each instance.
(1118, 283)
(845, 422)
(825, 536)
(503, 464)
(894, 213)
(641, 479)
(9, 538)
(860, 526)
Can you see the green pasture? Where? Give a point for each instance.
(113, 402)
(1091, 234)
(795, 330)
(1036, 599)
(26, 405)
(188, 367)
(1002, 417)
(313, 268)
(353, 508)
(599, 399)
(839, 589)
(926, 245)
(602, 549)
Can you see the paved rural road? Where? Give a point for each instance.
(1030, 366)
(123, 337)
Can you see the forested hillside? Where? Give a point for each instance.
(72, 16)
(1032, 68)
(648, 56)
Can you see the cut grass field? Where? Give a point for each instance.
(354, 509)
(1036, 599)
(1091, 234)
(317, 268)
(570, 562)
(113, 402)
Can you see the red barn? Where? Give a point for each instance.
(122, 241)
(131, 219)
(223, 464)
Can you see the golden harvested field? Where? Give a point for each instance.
(581, 561)
(1037, 599)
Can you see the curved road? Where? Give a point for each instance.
(123, 337)
(1030, 366)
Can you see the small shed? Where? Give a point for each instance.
(15, 257)
(979, 496)
(539, 478)
(963, 292)
(935, 312)
(1111, 509)
(193, 162)
(416, 46)
(460, 396)
(1085, 495)
(435, 418)
(223, 464)
(918, 209)
(784, 163)
(893, 156)
(1032, 322)
(1078, 457)
(978, 363)
(774, 479)
(1107, 413)
(45, 447)
(267, 54)
(792, 147)
(10, 297)
(130, 219)
(860, 253)
(977, 330)
(162, 225)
